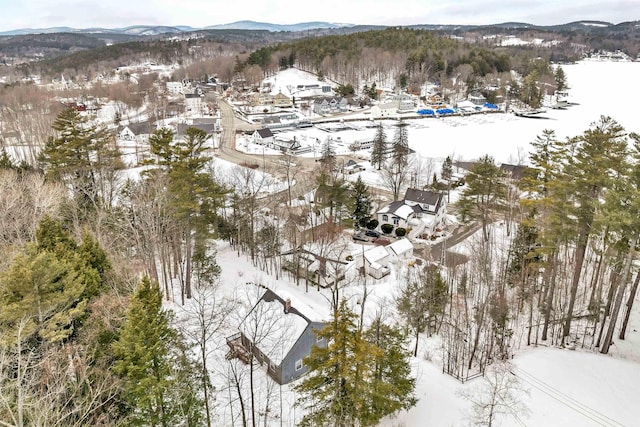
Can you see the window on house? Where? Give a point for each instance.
(299, 364)
(385, 217)
(396, 221)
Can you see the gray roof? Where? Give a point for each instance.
(208, 128)
(265, 133)
(423, 196)
(141, 127)
(270, 120)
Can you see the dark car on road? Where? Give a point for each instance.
(372, 233)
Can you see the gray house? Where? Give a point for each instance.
(278, 335)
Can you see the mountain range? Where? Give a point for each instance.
(150, 30)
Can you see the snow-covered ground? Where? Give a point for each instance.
(558, 386)
(565, 387)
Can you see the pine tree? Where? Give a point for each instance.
(194, 195)
(81, 155)
(560, 78)
(328, 155)
(391, 388)
(46, 291)
(484, 193)
(334, 389)
(50, 283)
(447, 174)
(379, 148)
(600, 157)
(354, 381)
(362, 204)
(159, 380)
(422, 300)
(400, 146)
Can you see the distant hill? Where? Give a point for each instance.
(138, 30)
(253, 25)
(585, 26)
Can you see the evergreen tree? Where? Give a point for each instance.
(391, 388)
(560, 78)
(328, 155)
(46, 291)
(422, 300)
(354, 381)
(333, 194)
(400, 146)
(334, 389)
(484, 193)
(531, 93)
(447, 173)
(194, 195)
(50, 283)
(379, 148)
(159, 380)
(5, 160)
(362, 204)
(81, 155)
(600, 158)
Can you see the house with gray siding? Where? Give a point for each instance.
(278, 335)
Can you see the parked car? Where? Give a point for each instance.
(360, 237)
(372, 233)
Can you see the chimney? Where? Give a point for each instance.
(287, 305)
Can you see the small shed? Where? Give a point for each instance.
(399, 250)
(376, 261)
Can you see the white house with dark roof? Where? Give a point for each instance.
(420, 210)
(262, 136)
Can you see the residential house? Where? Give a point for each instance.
(420, 210)
(193, 102)
(134, 138)
(352, 167)
(291, 146)
(126, 134)
(387, 109)
(404, 102)
(278, 335)
(263, 136)
(477, 98)
(281, 100)
(436, 101)
(260, 98)
(330, 105)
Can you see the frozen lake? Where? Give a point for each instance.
(597, 88)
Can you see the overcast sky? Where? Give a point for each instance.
(18, 14)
